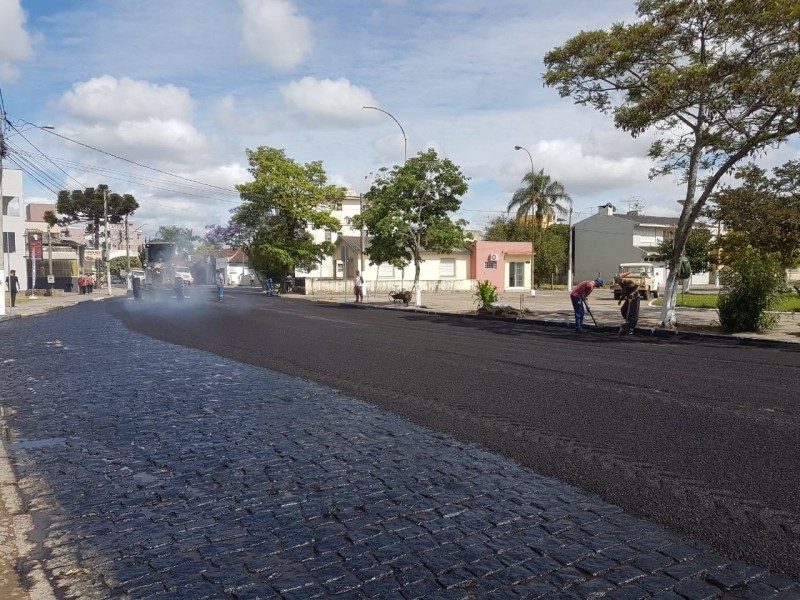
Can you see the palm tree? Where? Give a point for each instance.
(540, 196)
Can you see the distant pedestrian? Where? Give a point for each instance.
(252, 280)
(12, 282)
(359, 287)
(579, 295)
(270, 287)
(220, 287)
(82, 285)
(89, 284)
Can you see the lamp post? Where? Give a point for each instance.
(403, 131)
(2, 211)
(533, 225)
(105, 222)
(417, 290)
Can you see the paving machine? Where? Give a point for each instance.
(159, 266)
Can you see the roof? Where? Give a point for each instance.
(234, 255)
(647, 220)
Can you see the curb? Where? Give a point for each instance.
(642, 331)
(21, 525)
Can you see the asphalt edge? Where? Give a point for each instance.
(21, 524)
(656, 332)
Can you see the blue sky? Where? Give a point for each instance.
(187, 85)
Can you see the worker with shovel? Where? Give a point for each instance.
(579, 295)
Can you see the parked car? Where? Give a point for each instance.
(185, 274)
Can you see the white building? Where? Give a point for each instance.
(14, 252)
(607, 239)
(327, 268)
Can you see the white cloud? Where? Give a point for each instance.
(137, 119)
(275, 33)
(329, 102)
(150, 140)
(107, 99)
(15, 43)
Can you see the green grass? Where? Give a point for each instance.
(786, 303)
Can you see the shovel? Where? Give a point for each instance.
(586, 306)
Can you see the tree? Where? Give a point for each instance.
(715, 81)
(279, 207)
(540, 195)
(115, 265)
(505, 229)
(182, 237)
(87, 205)
(408, 210)
(697, 249)
(538, 198)
(551, 255)
(764, 213)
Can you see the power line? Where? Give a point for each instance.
(22, 135)
(129, 179)
(128, 160)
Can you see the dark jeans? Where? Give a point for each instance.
(577, 306)
(13, 299)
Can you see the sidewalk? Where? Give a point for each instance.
(555, 306)
(27, 307)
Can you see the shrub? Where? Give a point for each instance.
(485, 295)
(750, 285)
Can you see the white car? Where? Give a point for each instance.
(185, 274)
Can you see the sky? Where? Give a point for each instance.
(185, 86)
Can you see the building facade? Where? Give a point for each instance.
(505, 264)
(607, 239)
(14, 252)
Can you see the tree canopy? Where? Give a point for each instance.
(712, 81)
(87, 205)
(507, 229)
(283, 201)
(697, 249)
(409, 208)
(764, 212)
(182, 237)
(540, 195)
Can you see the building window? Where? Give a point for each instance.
(447, 267)
(386, 271)
(516, 274)
(9, 242)
(339, 267)
(327, 235)
(490, 264)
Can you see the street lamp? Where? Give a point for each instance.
(403, 131)
(569, 264)
(533, 224)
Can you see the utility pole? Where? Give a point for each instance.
(105, 220)
(128, 281)
(2, 211)
(50, 279)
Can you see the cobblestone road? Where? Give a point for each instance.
(155, 471)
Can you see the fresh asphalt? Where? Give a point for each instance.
(698, 435)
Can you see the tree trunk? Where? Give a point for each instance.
(417, 291)
(668, 316)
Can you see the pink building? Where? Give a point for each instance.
(505, 264)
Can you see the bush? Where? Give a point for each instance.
(750, 286)
(485, 295)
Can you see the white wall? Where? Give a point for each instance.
(351, 206)
(14, 222)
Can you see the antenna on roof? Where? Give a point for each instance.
(635, 204)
